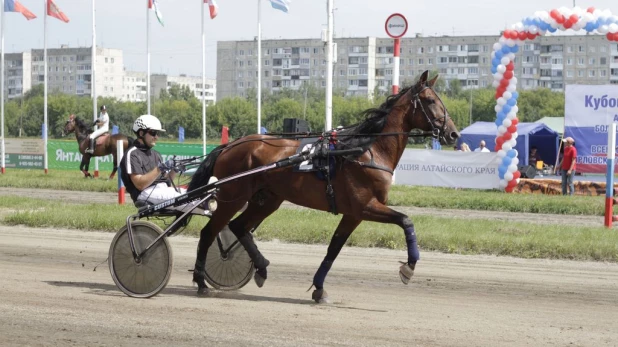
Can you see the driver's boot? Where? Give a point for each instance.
(90, 149)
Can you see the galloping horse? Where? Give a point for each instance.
(105, 144)
(361, 183)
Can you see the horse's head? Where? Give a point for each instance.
(69, 127)
(429, 113)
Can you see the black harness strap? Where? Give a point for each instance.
(371, 164)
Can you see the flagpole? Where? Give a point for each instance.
(329, 67)
(203, 81)
(45, 132)
(3, 168)
(93, 84)
(148, 56)
(259, 68)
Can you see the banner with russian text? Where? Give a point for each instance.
(588, 112)
(452, 169)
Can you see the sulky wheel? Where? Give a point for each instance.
(228, 266)
(147, 277)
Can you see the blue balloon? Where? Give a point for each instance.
(506, 108)
(499, 55)
(589, 27)
(511, 153)
(498, 122)
(515, 49)
(511, 102)
(506, 49)
(514, 95)
(496, 61)
(552, 29)
(494, 70)
(506, 161)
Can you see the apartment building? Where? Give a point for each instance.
(159, 82)
(69, 70)
(364, 64)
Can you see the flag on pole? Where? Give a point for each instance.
(15, 6)
(54, 11)
(212, 6)
(154, 4)
(282, 5)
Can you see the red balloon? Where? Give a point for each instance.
(516, 175)
(497, 148)
(504, 82)
(512, 129)
(510, 66)
(560, 19)
(590, 10)
(499, 142)
(568, 24)
(506, 34)
(574, 18)
(514, 121)
(610, 36)
(616, 36)
(500, 91)
(554, 14)
(531, 36)
(509, 189)
(507, 136)
(508, 74)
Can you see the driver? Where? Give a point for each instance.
(103, 123)
(146, 177)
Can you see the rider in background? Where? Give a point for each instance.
(103, 123)
(146, 177)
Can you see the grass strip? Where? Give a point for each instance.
(448, 235)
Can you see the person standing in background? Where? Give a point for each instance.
(568, 165)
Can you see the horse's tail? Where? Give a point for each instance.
(206, 169)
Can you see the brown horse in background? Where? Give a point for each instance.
(105, 144)
(361, 184)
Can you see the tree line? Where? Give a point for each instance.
(178, 107)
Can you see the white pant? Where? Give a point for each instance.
(161, 192)
(102, 130)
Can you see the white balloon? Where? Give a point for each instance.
(495, 83)
(500, 101)
(514, 135)
(493, 54)
(510, 42)
(501, 68)
(513, 80)
(533, 29)
(501, 130)
(515, 162)
(515, 109)
(497, 46)
(554, 24)
(512, 167)
(544, 15)
(519, 26)
(505, 61)
(588, 17)
(507, 95)
(512, 143)
(578, 10)
(501, 154)
(597, 13)
(603, 29)
(508, 176)
(506, 147)
(511, 88)
(507, 122)
(511, 56)
(613, 28)
(502, 40)
(511, 115)
(498, 76)
(498, 108)
(503, 183)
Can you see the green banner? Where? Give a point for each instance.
(65, 154)
(24, 161)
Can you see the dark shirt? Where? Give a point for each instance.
(138, 160)
(532, 159)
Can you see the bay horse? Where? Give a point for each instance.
(361, 183)
(105, 144)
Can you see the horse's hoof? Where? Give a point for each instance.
(406, 271)
(320, 296)
(203, 292)
(260, 277)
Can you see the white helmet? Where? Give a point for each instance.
(146, 122)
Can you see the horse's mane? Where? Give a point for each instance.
(81, 125)
(359, 135)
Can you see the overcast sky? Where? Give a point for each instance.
(176, 48)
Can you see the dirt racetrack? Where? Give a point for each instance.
(50, 296)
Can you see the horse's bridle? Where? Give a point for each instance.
(437, 131)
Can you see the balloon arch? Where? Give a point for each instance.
(502, 68)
